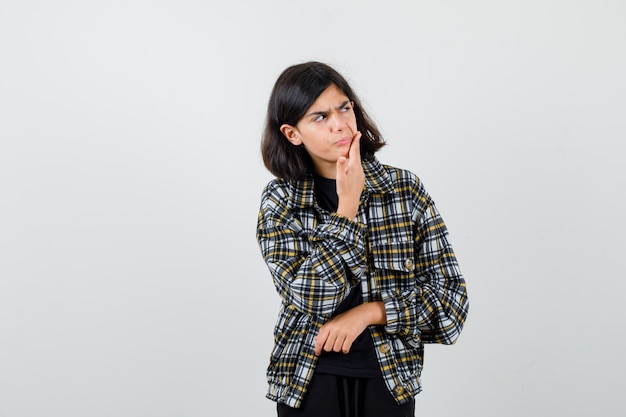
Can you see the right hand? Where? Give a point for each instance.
(339, 333)
(350, 179)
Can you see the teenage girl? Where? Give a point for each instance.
(358, 253)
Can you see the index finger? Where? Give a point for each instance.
(355, 147)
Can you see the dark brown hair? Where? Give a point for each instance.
(293, 94)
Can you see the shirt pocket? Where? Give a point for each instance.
(394, 264)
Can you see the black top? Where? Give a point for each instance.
(361, 361)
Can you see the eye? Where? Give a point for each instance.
(319, 118)
(346, 108)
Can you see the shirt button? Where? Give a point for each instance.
(408, 263)
(398, 390)
(384, 348)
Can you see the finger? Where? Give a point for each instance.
(329, 346)
(338, 345)
(341, 166)
(347, 155)
(320, 340)
(355, 147)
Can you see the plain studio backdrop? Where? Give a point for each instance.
(131, 283)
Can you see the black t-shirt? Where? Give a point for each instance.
(361, 361)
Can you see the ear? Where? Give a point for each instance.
(292, 134)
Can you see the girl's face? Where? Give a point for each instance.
(326, 130)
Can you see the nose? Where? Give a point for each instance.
(337, 123)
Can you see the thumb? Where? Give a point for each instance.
(341, 166)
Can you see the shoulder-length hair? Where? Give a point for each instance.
(294, 92)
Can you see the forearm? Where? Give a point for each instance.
(434, 313)
(315, 272)
(373, 313)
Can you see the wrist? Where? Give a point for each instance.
(347, 212)
(376, 313)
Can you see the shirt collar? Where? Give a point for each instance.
(377, 181)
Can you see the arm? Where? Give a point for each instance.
(312, 269)
(436, 309)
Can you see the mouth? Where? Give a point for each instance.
(343, 141)
(346, 140)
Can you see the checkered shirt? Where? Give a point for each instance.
(396, 249)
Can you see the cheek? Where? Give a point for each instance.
(353, 125)
(351, 120)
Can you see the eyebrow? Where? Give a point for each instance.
(317, 113)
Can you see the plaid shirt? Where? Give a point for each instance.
(397, 250)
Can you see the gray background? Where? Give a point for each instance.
(130, 177)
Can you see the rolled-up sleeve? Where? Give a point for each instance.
(312, 269)
(434, 310)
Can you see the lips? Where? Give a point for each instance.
(343, 141)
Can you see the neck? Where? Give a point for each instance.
(326, 171)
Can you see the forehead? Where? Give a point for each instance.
(330, 98)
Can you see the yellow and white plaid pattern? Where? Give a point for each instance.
(397, 249)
